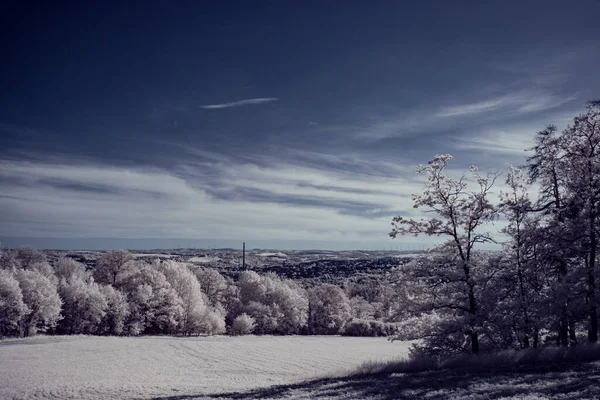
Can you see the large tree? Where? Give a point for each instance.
(567, 168)
(460, 211)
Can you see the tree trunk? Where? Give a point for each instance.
(563, 332)
(474, 342)
(593, 332)
(572, 335)
(536, 338)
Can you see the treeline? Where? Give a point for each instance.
(125, 296)
(543, 287)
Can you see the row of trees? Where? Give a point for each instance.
(122, 296)
(542, 286)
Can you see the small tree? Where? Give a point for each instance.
(243, 324)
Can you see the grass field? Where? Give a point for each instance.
(83, 367)
(256, 368)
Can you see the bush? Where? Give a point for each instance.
(243, 324)
(213, 323)
(361, 327)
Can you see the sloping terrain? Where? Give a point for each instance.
(579, 381)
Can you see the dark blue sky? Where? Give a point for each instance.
(269, 120)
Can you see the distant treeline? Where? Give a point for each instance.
(125, 296)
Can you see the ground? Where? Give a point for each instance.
(253, 368)
(85, 367)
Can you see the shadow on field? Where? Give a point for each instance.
(564, 381)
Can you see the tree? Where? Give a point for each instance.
(519, 268)
(567, 168)
(329, 310)
(212, 283)
(117, 311)
(582, 146)
(243, 324)
(12, 307)
(84, 306)
(195, 309)
(66, 267)
(155, 306)
(361, 309)
(42, 300)
(8, 260)
(277, 306)
(113, 265)
(461, 213)
(28, 257)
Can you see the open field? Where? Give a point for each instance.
(86, 367)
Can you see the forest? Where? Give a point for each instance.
(538, 289)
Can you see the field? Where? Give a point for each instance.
(83, 367)
(260, 368)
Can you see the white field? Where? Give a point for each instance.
(203, 259)
(86, 367)
(155, 255)
(274, 255)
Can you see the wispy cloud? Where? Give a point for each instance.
(509, 140)
(520, 102)
(239, 103)
(294, 202)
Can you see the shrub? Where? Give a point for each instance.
(243, 324)
(361, 327)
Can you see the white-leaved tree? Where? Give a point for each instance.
(84, 306)
(12, 307)
(329, 310)
(277, 306)
(154, 305)
(66, 267)
(117, 311)
(198, 317)
(460, 212)
(213, 285)
(42, 301)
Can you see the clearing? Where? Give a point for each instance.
(88, 367)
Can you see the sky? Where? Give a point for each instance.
(285, 124)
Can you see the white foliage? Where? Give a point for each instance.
(12, 307)
(243, 324)
(329, 309)
(42, 299)
(84, 306)
(117, 311)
